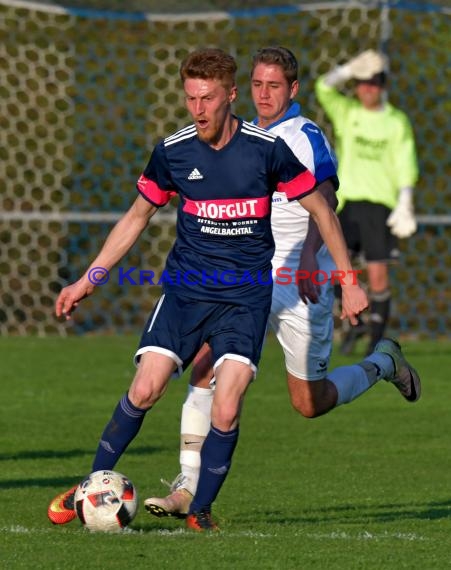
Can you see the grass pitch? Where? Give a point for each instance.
(364, 487)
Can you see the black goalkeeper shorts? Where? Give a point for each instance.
(366, 232)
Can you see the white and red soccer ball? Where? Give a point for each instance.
(106, 501)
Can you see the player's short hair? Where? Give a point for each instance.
(277, 55)
(209, 63)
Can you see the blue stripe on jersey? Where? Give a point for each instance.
(323, 156)
(324, 159)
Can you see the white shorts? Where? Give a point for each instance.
(305, 332)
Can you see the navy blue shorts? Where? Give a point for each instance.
(179, 326)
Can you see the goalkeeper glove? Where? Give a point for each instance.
(367, 64)
(363, 66)
(337, 75)
(402, 220)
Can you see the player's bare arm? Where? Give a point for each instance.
(354, 299)
(308, 291)
(119, 241)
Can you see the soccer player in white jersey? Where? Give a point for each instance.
(301, 314)
(378, 171)
(224, 171)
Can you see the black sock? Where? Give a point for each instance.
(379, 315)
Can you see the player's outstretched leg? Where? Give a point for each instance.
(176, 504)
(405, 377)
(62, 509)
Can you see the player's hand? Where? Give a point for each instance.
(308, 290)
(401, 221)
(367, 64)
(70, 297)
(353, 301)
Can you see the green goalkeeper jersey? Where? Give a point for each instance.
(376, 149)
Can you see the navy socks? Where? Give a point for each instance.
(120, 431)
(216, 458)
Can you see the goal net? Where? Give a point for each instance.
(85, 95)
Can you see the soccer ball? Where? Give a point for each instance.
(106, 501)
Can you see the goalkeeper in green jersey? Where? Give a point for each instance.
(377, 171)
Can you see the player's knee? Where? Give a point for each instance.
(225, 417)
(141, 400)
(310, 399)
(144, 394)
(307, 409)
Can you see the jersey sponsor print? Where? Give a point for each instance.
(224, 206)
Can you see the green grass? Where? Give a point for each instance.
(364, 487)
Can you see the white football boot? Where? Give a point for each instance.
(176, 504)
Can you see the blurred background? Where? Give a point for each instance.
(87, 89)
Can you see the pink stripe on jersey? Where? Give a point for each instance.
(228, 209)
(301, 185)
(150, 190)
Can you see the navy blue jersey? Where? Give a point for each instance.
(224, 244)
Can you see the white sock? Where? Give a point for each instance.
(352, 381)
(195, 425)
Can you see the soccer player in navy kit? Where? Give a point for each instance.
(301, 314)
(224, 171)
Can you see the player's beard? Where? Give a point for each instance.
(216, 123)
(210, 135)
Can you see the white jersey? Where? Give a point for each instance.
(289, 220)
(305, 332)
